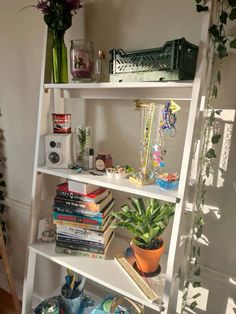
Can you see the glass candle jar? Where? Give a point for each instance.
(81, 60)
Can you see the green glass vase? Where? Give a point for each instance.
(59, 57)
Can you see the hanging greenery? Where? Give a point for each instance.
(222, 42)
(2, 185)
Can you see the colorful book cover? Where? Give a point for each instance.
(84, 225)
(85, 234)
(76, 204)
(94, 197)
(83, 213)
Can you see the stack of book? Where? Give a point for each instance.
(83, 220)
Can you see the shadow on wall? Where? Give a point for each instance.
(218, 254)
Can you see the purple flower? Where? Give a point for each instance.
(58, 13)
(43, 6)
(73, 5)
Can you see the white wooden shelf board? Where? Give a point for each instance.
(105, 272)
(152, 191)
(179, 90)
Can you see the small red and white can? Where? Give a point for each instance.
(61, 122)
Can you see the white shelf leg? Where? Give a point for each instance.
(29, 284)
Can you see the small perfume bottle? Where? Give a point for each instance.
(91, 158)
(101, 71)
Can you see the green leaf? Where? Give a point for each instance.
(3, 184)
(214, 31)
(211, 153)
(232, 15)
(232, 3)
(218, 77)
(196, 284)
(233, 44)
(223, 17)
(208, 171)
(193, 305)
(197, 272)
(212, 117)
(201, 8)
(197, 295)
(199, 251)
(218, 112)
(215, 138)
(214, 91)
(198, 1)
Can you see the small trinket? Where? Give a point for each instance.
(103, 161)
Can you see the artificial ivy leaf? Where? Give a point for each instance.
(211, 153)
(3, 183)
(199, 251)
(197, 272)
(223, 17)
(212, 117)
(233, 44)
(193, 305)
(197, 295)
(196, 284)
(232, 15)
(215, 138)
(186, 285)
(218, 77)
(214, 31)
(198, 1)
(214, 91)
(222, 51)
(201, 8)
(218, 112)
(208, 171)
(232, 3)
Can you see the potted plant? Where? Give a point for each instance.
(146, 220)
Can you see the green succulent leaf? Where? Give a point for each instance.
(146, 223)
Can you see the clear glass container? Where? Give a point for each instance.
(81, 60)
(101, 71)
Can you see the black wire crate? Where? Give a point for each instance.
(175, 60)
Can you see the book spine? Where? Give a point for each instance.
(76, 218)
(76, 211)
(80, 247)
(73, 196)
(75, 204)
(99, 240)
(79, 225)
(62, 250)
(80, 241)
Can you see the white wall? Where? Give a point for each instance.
(127, 24)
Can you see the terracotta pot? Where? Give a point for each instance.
(147, 260)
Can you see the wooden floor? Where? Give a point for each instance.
(6, 303)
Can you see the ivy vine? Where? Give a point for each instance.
(2, 186)
(222, 42)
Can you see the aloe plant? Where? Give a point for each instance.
(145, 221)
